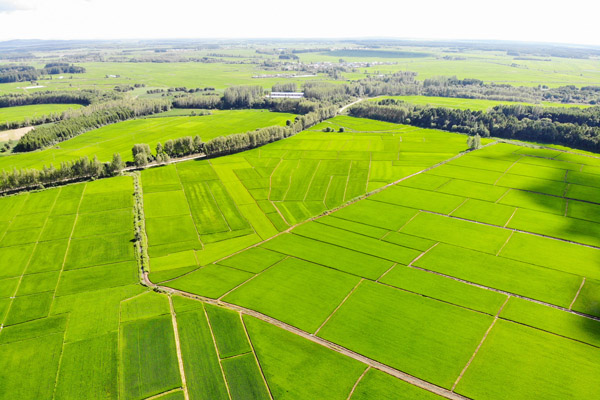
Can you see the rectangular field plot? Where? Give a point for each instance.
(200, 360)
(29, 367)
(298, 369)
(103, 223)
(329, 255)
(535, 201)
(562, 256)
(423, 337)
(552, 320)
(29, 308)
(356, 242)
(457, 232)
(523, 363)
(98, 277)
(483, 211)
(379, 385)
(210, 281)
(528, 280)
(228, 331)
(588, 301)
(377, 214)
(99, 250)
(253, 260)
(444, 289)
(244, 378)
(575, 230)
(88, 369)
(297, 292)
(148, 358)
(419, 199)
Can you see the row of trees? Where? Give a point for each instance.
(89, 118)
(84, 168)
(497, 122)
(24, 73)
(84, 97)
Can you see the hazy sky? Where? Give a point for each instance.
(525, 20)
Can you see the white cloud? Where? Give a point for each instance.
(532, 20)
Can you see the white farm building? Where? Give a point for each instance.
(286, 95)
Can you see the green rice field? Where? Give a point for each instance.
(309, 268)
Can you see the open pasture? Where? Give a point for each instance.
(26, 113)
(122, 136)
(465, 104)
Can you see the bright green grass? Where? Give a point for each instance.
(534, 201)
(586, 193)
(210, 281)
(94, 313)
(295, 291)
(352, 226)
(377, 214)
(14, 260)
(96, 202)
(483, 211)
(545, 186)
(357, 242)
(99, 250)
(29, 308)
(164, 204)
(200, 360)
(37, 328)
(228, 331)
(8, 286)
(552, 320)
(572, 229)
(419, 199)
(588, 300)
(29, 367)
(24, 113)
(58, 227)
(329, 255)
(445, 289)
(539, 283)
(457, 232)
(298, 369)
(120, 137)
(146, 305)
(244, 379)
(473, 190)
(165, 230)
(464, 104)
(48, 256)
(88, 369)
(537, 365)
(553, 254)
(104, 222)
(148, 361)
(38, 283)
(253, 260)
(423, 337)
(379, 385)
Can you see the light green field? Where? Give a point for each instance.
(411, 277)
(464, 104)
(120, 137)
(23, 113)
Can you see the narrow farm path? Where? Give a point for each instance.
(306, 335)
(349, 105)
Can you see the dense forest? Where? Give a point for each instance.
(571, 127)
(24, 73)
